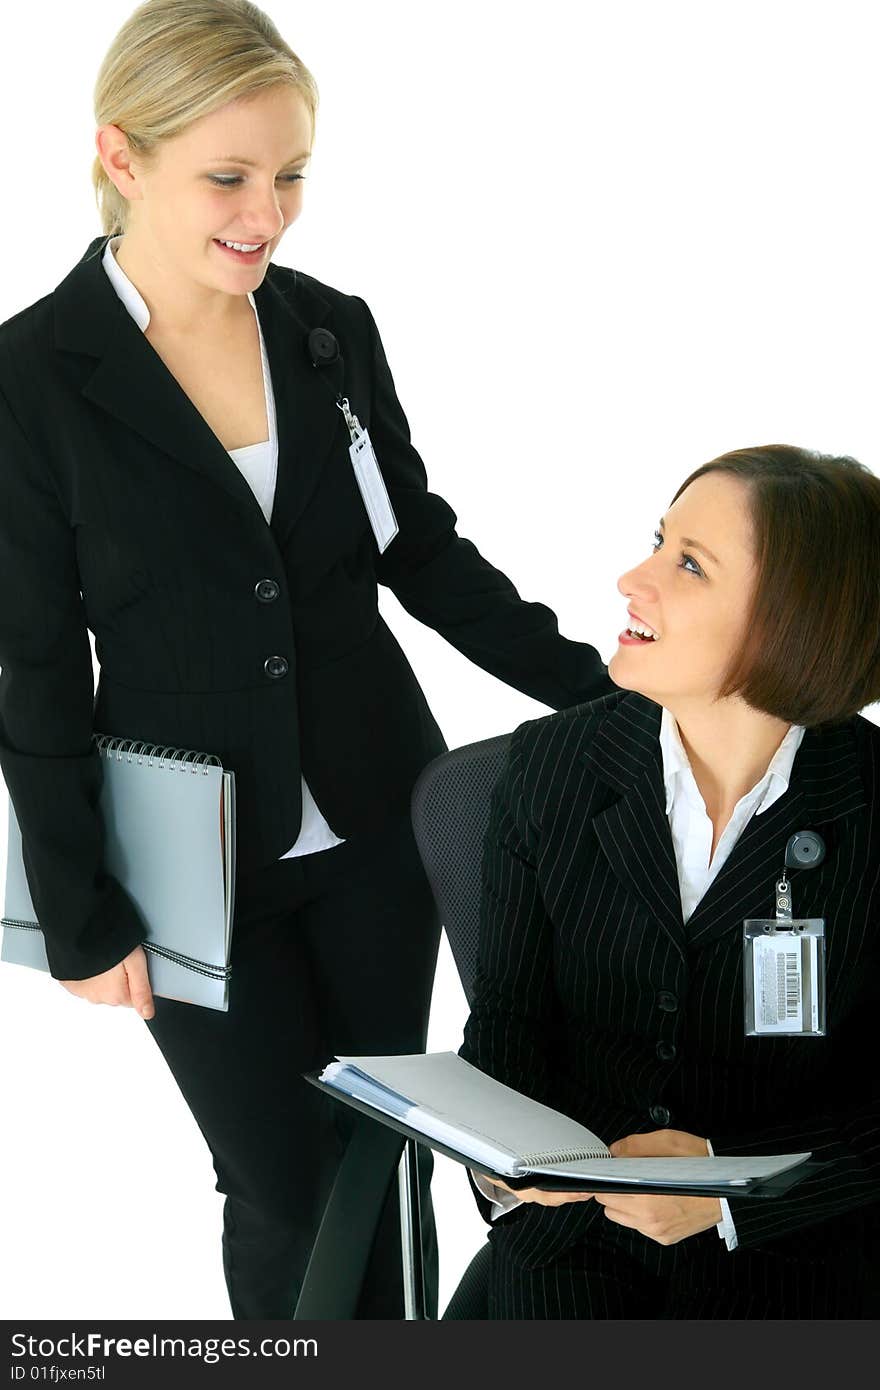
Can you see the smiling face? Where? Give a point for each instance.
(694, 592)
(201, 190)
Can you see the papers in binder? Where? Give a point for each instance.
(493, 1127)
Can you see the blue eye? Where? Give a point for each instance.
(658, 541)
(230, 180)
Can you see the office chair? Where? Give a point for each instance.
(450, 812)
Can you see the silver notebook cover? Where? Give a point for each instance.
(169, 838)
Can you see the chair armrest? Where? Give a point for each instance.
(335, 1274)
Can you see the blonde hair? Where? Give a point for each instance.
(174, 61)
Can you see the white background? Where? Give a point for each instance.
(603, 243)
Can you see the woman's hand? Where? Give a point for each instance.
(534, 1194)
(665, 1219)
(126, 983)
(660, 1143)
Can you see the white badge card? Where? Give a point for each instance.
(784, 977)
(373, 490)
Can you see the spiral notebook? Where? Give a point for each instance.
(169, 839)
(470, 1116)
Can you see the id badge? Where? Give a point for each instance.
(373, 490)
(784, 977)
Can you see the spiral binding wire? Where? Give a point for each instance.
(560, 1156)
(185, 759)
(200, 967)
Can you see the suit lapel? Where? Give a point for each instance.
(634, 835)
(825, 784)
(633, 832)
(130, 381)
(308, 420)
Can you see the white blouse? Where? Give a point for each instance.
(258, 464)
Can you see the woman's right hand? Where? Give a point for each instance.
(126, 983)
(534, 1194)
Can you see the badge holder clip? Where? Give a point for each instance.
(323, 351)
(784, 961)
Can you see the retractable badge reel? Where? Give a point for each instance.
(324, 351)
(784, 957)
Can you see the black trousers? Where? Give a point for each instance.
(332, 953)
(696, 1278)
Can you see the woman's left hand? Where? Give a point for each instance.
(666, 1219)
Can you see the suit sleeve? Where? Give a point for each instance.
(50, 765)
(508, 1033)
(444, 581)
(842, 1133)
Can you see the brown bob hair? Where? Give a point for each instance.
(811, 654)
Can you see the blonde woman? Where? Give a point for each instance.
(175, 477)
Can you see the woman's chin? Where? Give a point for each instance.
(627, 680)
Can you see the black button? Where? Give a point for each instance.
(667, 1001)
(275, 666)
(660, 1115)
(266, 590)
(666, 1051)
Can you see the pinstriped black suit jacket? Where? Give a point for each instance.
(589, 979)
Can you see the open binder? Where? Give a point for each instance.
(443, 1101)
(169, 839)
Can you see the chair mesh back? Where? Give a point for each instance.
(450, 812)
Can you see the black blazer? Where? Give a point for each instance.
(593, 996)
(121, 512)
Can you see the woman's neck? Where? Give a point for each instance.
(729, 746)
(186, 311)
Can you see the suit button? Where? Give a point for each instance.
(266, 590)
(667, 1001)
(660, 1115)
(275, 666)
(666, 1051)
